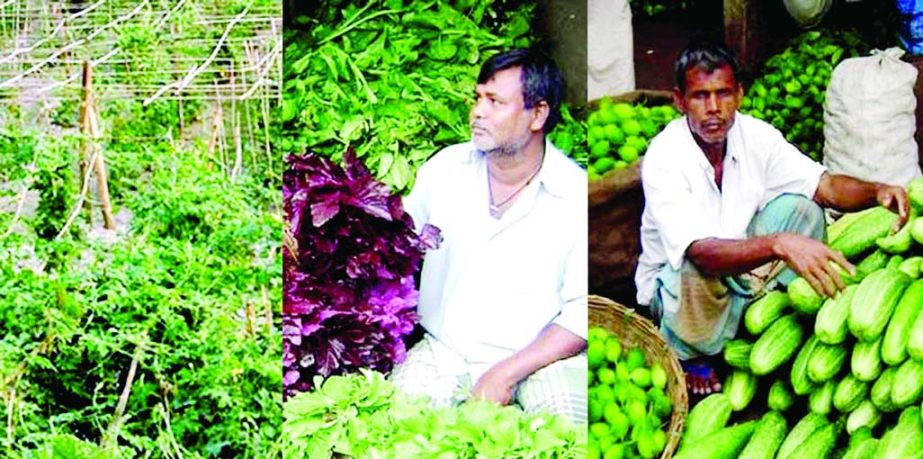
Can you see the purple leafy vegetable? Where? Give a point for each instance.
(350, 255)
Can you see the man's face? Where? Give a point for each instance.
(500, 123)
(709, 102)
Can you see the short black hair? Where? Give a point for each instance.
(541, 79)
(707, 54)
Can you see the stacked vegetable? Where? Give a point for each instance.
(857, 357)
(364, 416)
(350, 254)
(619, 133)
(628, 408)
(790, 93)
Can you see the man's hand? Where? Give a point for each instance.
(812, 260)
(894, 198)
(495, 385)
(552, 344)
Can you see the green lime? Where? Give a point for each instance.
(591, 173)
(631, 127)
(640, 376)
(604, 165)
(646, 445)
(660, 441)
(663, 406)
(608, 115)
(595, 353)
(621, 164)
(614, 134)
(658, 376)
(595, 134)
(592, 451)
(636, 412)
(606, 442)
(648, 127)
(618, 424)
(600, 149)
(606, 375)
(599, 429)
(628, 153)
(594, 119)
(623, 111)
(604, 393)
(590, 377)
(605, 103)
(622, 373)
(636, 359)
(621, 392)
(597, 334)
(636, 393)
(639, 143)
(611, 411)
(595, 409)
(613, 350)
(616, 451)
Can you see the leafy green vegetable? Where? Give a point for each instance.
(363, 415)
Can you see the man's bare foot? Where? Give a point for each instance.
(700, 377)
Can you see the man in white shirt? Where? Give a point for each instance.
(503, 299)
(731, 210)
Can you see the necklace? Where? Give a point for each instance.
(495, 208)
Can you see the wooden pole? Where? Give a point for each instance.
(90, 127)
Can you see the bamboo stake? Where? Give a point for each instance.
(112, 434)
(91, 129)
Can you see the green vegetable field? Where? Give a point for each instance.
(140, 229)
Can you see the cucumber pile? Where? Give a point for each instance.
(854, 361)
(628, 408)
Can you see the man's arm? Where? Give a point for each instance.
(809, 258)
(848, 194)
(552, 344)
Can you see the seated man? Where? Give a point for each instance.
(503, 300)
(731, 210)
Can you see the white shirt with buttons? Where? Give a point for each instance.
(683, 204)
(493, 285)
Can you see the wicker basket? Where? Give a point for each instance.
(634, 330)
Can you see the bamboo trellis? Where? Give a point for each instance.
(218, 52)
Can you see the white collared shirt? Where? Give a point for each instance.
(683, 204)
(493, 285)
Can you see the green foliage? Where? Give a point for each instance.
(363, 415)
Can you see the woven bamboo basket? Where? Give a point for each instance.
(634, 330)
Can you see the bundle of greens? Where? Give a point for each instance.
(363, 415)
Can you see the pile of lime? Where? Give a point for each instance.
(628, 408)
(619, 133)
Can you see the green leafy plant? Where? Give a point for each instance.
(363, 415)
